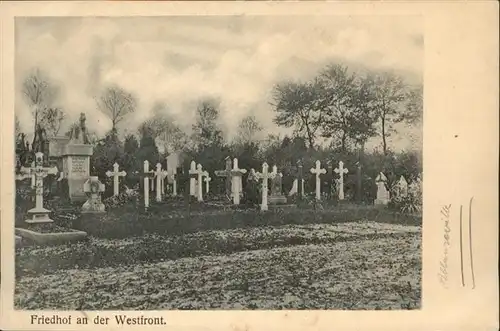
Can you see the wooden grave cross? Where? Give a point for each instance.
(227, 174)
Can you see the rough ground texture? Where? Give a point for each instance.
(353, 265)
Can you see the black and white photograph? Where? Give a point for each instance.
(218, 162)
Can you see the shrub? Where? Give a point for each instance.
(128, 221)
(412, 202)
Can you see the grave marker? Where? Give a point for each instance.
(207, 181)
(277, 196)
(39, 214)
(236, 182)
(76, 153)
(163, 175)
(193, 174)
(94, 188)
(227, 174)
(158, 176)
(174, 183)
(341, 171)
(147, 174)
(199, 187)
(116, 174)
(264, 176)
(402, 188)
(318, 171)
(383, 196)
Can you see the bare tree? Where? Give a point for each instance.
(206, 130)
(248, 128)
(117, 103)
(164, 129)
(52, 119)
(39, 93)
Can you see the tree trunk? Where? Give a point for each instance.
(343, 142)
(384, 141)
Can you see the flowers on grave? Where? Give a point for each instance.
(409, 203)
(126, 197)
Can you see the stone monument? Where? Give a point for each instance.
(94, 188)
(75, 152)
(276, 196)
(382, 192)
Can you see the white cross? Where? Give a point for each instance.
(158, 174)
(318, 171)
(264, 176)
(192, 180)
(236, 182)
(200, 174)
(116, 175)
(207, 181)
(39, 214)
(341, 171)
(147, 175)
(174, 182)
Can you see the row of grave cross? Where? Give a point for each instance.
(232, 173)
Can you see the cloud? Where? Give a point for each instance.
(178, 60)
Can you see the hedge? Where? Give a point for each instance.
(126, 222)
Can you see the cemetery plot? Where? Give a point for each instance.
(304, 203)
(353, 265)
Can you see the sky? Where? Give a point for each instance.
(179, 59)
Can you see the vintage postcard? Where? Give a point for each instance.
(249, 165)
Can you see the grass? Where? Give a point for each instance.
(130, 221)
(347, 265)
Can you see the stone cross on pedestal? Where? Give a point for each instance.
(193, 174)
(383, 196)
(158, 175)
(93, 188)
(227, 174)
(341, 171)
(207, 181)
(236, 182)
(148, 174)
(276, 196)
(39, 172)
(265, 177)
(318, 171)
(116, 175)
